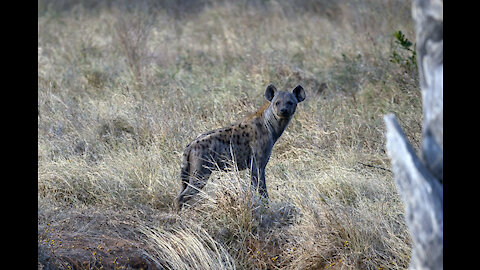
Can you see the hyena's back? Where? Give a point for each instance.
(214, 151)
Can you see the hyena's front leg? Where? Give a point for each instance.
(258, 180)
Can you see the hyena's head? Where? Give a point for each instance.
(284, 103)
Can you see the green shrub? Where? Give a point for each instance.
(403, 53)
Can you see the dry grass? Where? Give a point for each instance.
(122, 88)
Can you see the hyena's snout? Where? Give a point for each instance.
(285, 112)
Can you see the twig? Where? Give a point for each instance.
(373, 166)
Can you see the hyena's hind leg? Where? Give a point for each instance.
(184, 177)
(197, 179)
(184, 172)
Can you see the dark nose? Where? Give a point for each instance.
(284, 111)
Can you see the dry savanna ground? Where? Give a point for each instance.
(124, 86)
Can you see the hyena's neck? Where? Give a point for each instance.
(275, 124)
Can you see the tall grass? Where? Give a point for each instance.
(123, 87)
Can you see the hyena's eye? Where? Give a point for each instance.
(289, 103)
(277, 103)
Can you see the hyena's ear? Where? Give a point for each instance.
(299, 93)
(270, 92)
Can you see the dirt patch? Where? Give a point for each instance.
(66, 250)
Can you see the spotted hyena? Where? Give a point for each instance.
(248, 143)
